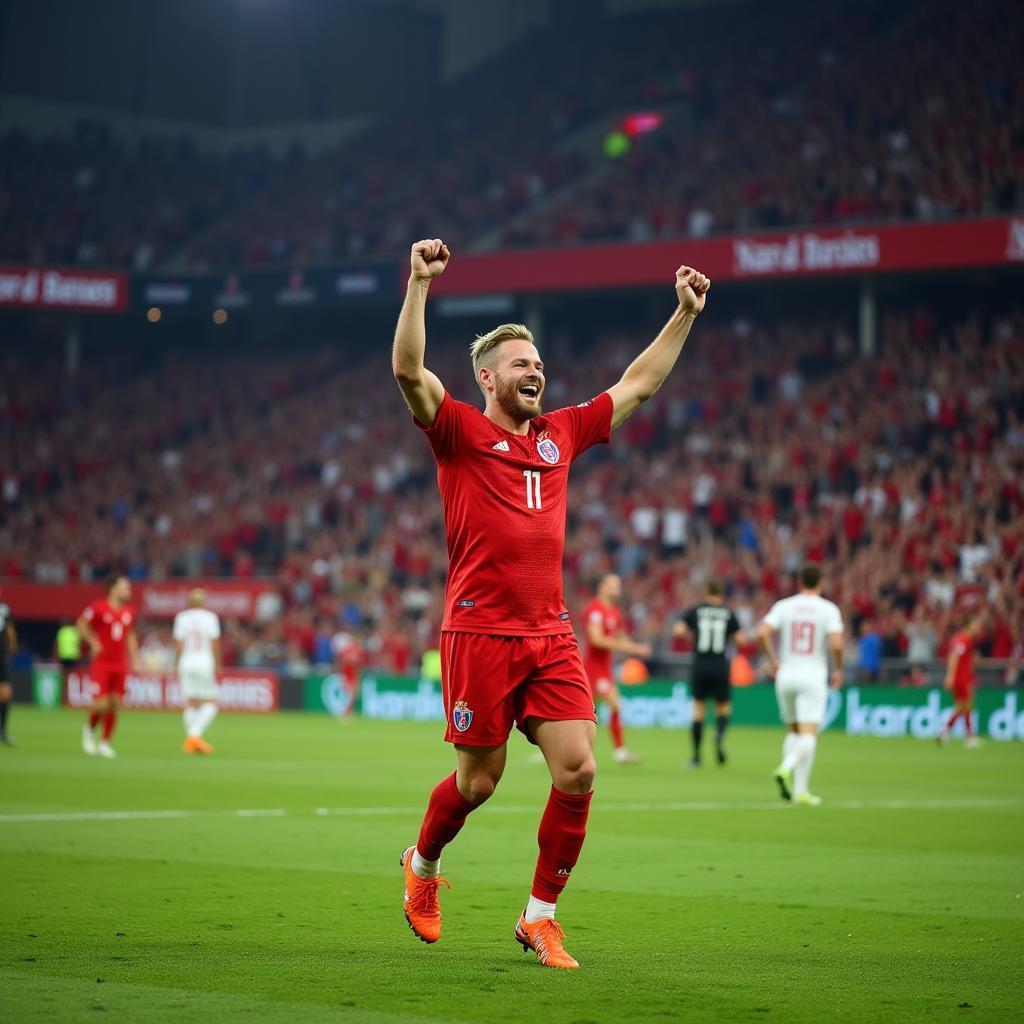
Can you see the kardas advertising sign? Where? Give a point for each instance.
(667, 704)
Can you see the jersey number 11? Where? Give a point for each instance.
(532, 488)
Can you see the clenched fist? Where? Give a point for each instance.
(691, 288)
(429, 257)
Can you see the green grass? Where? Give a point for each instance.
(740, 910)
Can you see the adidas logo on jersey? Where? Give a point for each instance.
(501, 446)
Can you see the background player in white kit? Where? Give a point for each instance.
(197, 642)
(808, 627)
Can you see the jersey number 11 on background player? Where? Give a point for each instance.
(714, 628)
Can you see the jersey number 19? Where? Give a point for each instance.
(801, 638)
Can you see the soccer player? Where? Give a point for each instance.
(715, 626)
(352, 657)
(509, 656)
(8, 645)
(961, 680)
(809, 627)
(198, 661)
(606, 633)
(108, 626)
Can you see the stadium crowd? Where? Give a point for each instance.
(902, 473)
(904, 113)
(94, 201)
(922, 118)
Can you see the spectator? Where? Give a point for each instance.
(869, 653)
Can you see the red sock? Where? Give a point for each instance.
(615, 724)
(446, 814)
(94, 717)
(952, 720)
(562, 831)
(109, 720)
(967, 723)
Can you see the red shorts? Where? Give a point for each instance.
(602, 683)
(107, 679)
(963, 693)
(491, 683)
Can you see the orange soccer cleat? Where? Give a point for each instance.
(195, 745)
(545, 939)
(421, 904)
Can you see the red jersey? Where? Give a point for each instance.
(963, 645)
(112, 626)
(598, 661)
(504, 498)
(352, 659)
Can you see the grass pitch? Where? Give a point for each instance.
(262, 884)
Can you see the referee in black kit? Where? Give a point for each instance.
(714, 627)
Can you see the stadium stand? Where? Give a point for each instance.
(93, 201)
(500, 158)
(905, 117)
(229, 465)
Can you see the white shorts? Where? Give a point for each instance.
(801, 703)
(198, 684)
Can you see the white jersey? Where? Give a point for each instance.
(804, 623)
(196, 628)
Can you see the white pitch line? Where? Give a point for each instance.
(395, 812)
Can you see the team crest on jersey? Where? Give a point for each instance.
(547, 449)
(462, 717)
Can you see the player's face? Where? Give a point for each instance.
(611, 589)
(519, 379)
(121, 591)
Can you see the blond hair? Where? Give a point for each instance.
(488, 342)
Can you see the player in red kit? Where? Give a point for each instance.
(961, 680)
(606, 634)
(508, 653)
(352, 658)
(108, 626)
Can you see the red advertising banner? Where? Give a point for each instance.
(235, 599)
(231, 599)
(804, 253)
(238, 690)
(53, 288)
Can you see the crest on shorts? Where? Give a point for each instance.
(548, 450)
(462, 717)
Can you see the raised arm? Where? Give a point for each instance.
(648, 371)
(422, 390)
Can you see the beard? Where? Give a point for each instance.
(513, 404)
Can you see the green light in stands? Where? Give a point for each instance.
(616, 145)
